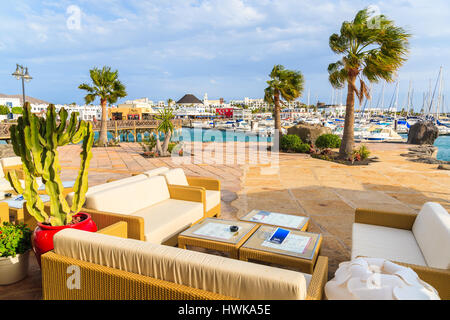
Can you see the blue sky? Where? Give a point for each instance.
(164, 49)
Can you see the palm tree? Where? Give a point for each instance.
(170, 102)
(165, 126)
(109, 89)
(372, 52)
(284, 84)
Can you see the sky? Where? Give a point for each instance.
(226, 48)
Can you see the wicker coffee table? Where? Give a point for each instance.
(215, 234)
(283, 220)
(258, 248)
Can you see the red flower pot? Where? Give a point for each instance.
(42, 238)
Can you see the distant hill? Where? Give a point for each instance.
(28, 98)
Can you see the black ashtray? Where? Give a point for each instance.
(234, 228)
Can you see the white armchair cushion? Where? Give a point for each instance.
(176, 176)
(156, 172)
(5, 185)
(432, 232)
(11, 161)
(129, 197)
(229, 277)
(388, 243)
(212, 199)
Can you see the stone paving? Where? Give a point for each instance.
(326, 192)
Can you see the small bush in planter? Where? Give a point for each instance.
(14, 239)
(328, 140)
(290, 142)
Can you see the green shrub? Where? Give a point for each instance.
(14, 239)
(302, 148)
(328, 141)
(290, 142)
(171, 146)
(362, 152)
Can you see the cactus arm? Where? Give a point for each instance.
(34, 203)
(32, 142)
(81, 184)
(80, 133)
(14, 181)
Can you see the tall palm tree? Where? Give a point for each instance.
(169, 102)
(372, 51)
(109, 89)
(165, 126)
(284, 84)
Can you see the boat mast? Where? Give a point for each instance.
(439, 95)
(409, 98)
(396, 99)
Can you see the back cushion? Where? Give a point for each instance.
(156, 172)
(11, 161)
(2, 173)
(176, 176)
(432, 232)
(130, 197)
(229, 277)
(108, 185)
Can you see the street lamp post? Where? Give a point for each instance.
(22, 73)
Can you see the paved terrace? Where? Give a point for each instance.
(326, 192)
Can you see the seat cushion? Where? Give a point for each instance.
(109, 185)
(156, 172)
(229, 277)
(176, 176)
(168, 218)
(128, 198)
(212, 199)
(387, 243)
(432, 232)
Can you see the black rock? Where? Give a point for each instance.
(424, 132)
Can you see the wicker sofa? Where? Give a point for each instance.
(155, 212)
(419, 241)
(121, 269)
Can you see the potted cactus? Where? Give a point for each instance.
(35, 139)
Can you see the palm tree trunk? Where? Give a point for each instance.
(277, 112)
(165, 145)
(348, 141)
(158, 144)
(103, 137)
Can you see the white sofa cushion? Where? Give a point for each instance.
(432, 232)
(387, 243)
(168, 218)
(212, 199)
(176, 176)
(5, 185)
(2, 173)
(11, 161)
(130, 197)
(109, 185)
(156, 172)
(229, 277)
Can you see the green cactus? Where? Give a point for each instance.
(36, 140)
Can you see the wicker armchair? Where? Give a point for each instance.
(438, 278)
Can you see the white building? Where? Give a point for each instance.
(10, 102)
(86, 112)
